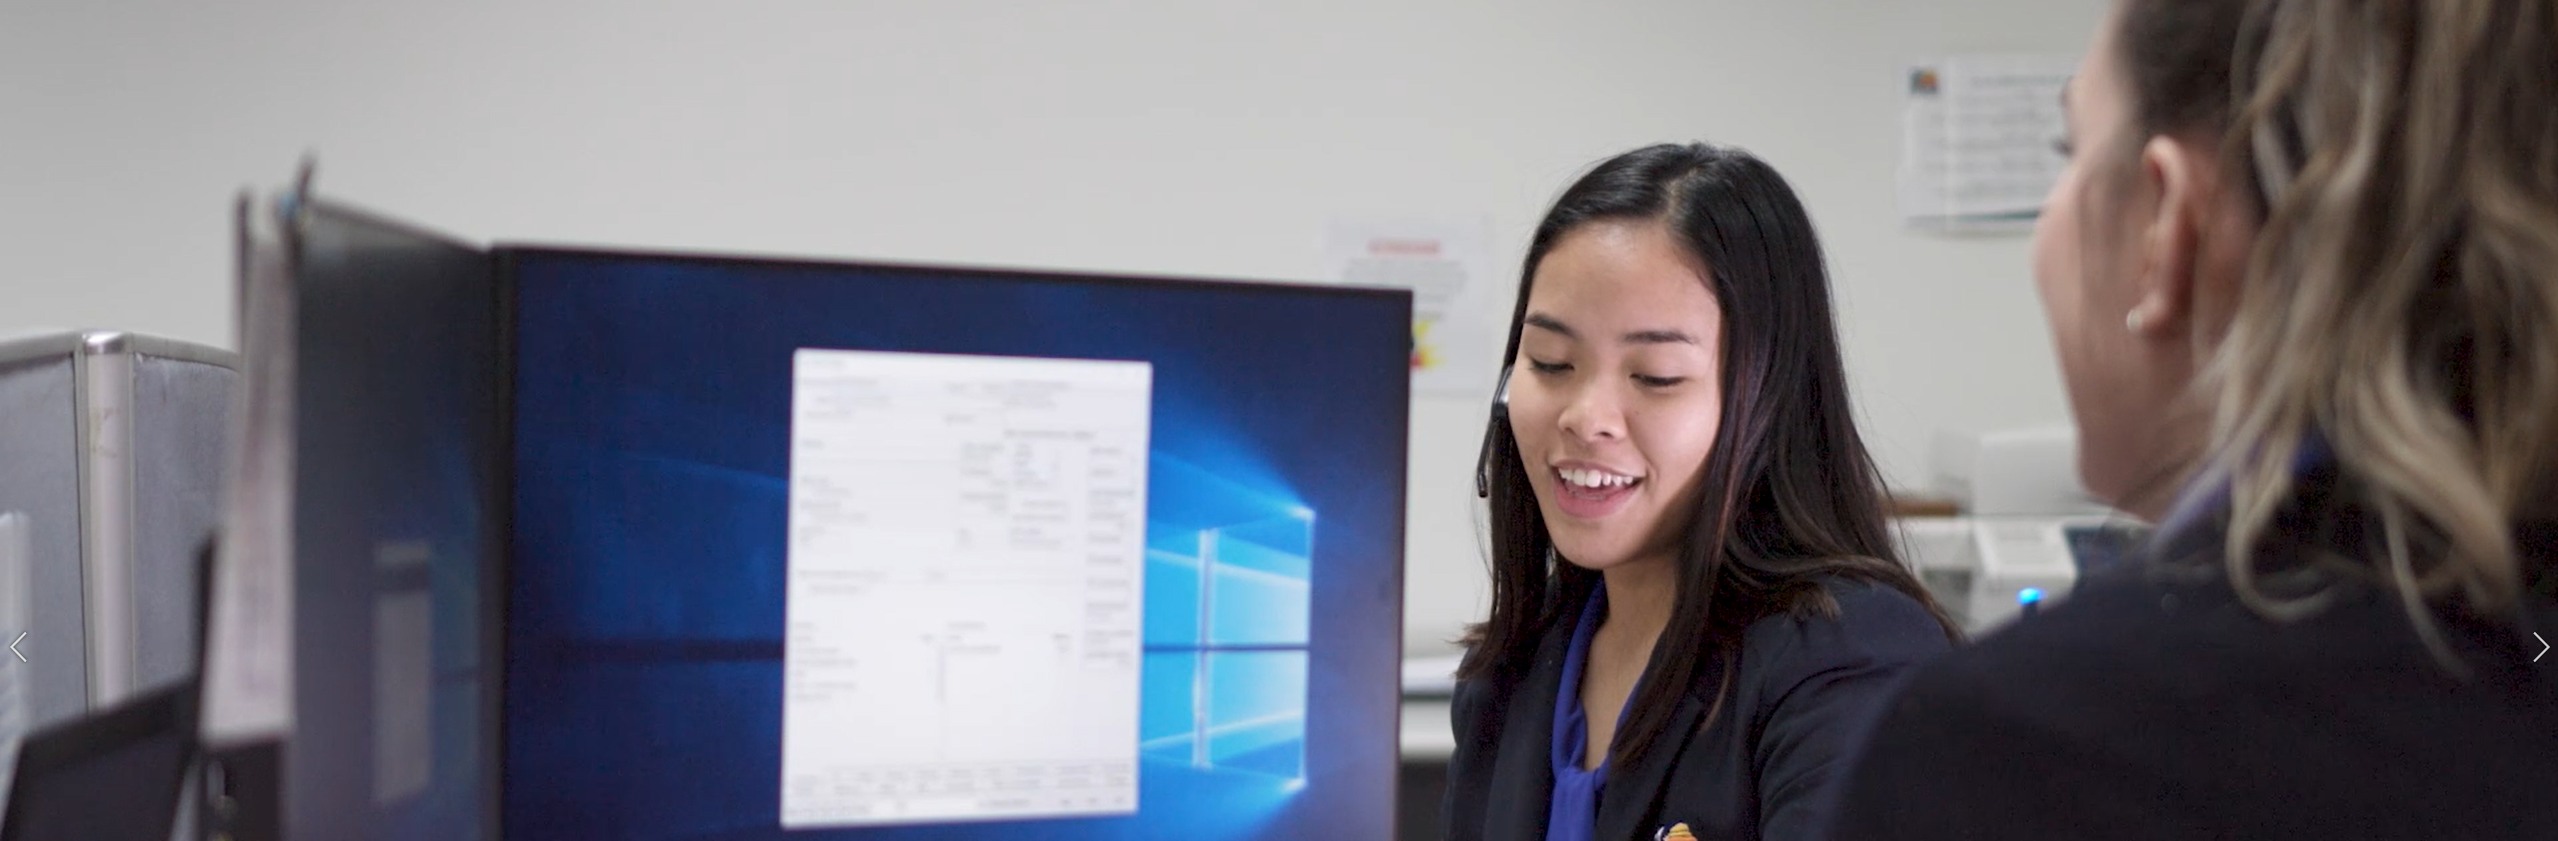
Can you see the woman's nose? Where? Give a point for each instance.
(1592, 413)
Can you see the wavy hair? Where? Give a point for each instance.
(2400, 301)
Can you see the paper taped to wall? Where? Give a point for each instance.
(1980, 140)
(1447, 263)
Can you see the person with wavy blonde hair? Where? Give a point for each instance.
(2302, 278)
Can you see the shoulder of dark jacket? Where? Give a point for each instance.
(1875, 624)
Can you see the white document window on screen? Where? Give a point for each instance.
(963, 615)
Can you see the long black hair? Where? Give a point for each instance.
(1790, 495)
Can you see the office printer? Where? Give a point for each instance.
(2028, 530)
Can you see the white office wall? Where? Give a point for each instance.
(1196, 138)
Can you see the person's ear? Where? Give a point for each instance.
(2178, 172)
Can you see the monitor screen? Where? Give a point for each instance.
(841, 551)
(112, 775)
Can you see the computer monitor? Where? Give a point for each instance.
(112, 775)
(396, 521)
(814, 551)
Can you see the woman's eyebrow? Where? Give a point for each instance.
(1656, 336)
(1551, 324)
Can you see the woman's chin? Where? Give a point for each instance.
(1594, 558)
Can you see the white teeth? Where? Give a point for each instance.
(1594, 478)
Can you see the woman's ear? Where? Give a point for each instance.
(2179, 172)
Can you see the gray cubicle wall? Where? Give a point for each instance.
(40, 479)
(181, 412)
(111, 445)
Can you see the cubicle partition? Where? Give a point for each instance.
(110, 456)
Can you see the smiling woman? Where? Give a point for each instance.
(1695, 599)
(1641, 362)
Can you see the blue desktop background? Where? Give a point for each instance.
(644, 618)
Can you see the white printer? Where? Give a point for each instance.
(2028, 527)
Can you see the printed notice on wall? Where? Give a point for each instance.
(1447, 263)
(965, 589)
(1979, 141)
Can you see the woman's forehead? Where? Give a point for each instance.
(1616, 274)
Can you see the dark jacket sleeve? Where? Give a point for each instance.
(1477, 729)
(1921, 778)
(2020, 736)
(1499, 776)
(1827, 682)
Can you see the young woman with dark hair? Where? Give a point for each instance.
(1695, 598)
